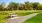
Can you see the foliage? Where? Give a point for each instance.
(39, 7)
(20, 6)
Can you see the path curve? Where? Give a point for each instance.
(20, 19)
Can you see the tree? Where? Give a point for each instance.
(35, 5)
(1, 8)
(28, 5)
(39, 7)
(10, 6)
(3, 4)
(16, 5)
(22, 6)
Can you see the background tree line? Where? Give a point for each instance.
(20, 6)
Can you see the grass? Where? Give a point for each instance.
(2, 16)
(23, 13)
(5, 14)
(35, 19)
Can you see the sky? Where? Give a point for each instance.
(20, 1)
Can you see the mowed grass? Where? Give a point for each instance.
(35, 19)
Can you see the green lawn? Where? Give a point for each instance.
(35, 19)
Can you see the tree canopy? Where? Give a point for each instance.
(21, 6)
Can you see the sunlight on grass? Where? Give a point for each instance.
(2, 16)
(35, 19)
(23, 13)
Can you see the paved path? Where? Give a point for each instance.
(20, 19)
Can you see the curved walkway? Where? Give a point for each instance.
(20, 19)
